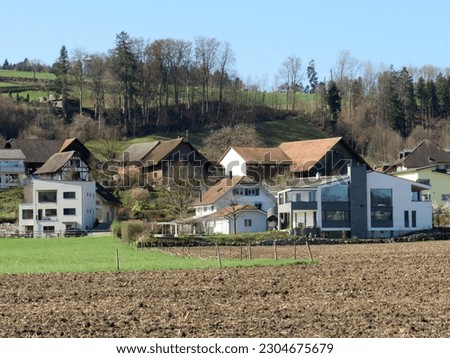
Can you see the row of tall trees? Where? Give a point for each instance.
(145, 83)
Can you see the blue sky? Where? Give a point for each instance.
(262, 34)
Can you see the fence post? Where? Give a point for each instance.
(309, 251)
(240, 244)
(117, 260)
(250, 250)
(218, 254)
(275, 253)
(295, 249)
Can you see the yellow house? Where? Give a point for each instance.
(438, 176)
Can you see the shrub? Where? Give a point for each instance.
(131, 230)
(116, 226)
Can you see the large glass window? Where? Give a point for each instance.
(380, 197)
(335, 215)
(335, 193)
(47, 196)
(381, 216)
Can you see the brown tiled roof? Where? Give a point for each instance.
(222, 187)
(151, 152)
(138, 151)
(306, 153)
(55, 162)
(263, 155)
(35, 150)
(162, 150)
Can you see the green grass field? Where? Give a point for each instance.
(27, 74)
(98, 254)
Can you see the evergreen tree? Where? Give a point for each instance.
(443, 95)
(334, 103)
(405, 91)
(6, 65)
(125, 68)
(312, 76)
(61, 83)
(432, 102)
(421, 95)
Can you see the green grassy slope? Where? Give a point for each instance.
(272, 132)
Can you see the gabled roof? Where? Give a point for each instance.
(76, 145)
(138, 151)
(163, 149)
(261, 155)
(153, 152)
(229, 211)
(306, 153)
(11, 154)
(55, 162)
(426, 153)
(106, 194)
(222, 187)
(35, 150)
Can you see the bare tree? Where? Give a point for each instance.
(76, 69)
(206, 50)
(242, 135)
(291, 72)
(226, 59)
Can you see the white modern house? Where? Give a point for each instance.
(51, 206)
(362, 204)
(12, 168)
(233, 205)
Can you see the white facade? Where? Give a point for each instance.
(254, 195)
(409, 212)
(53, 206)
(246, 221)
(370, 205)
(234, 163)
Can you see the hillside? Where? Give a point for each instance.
(272, 132)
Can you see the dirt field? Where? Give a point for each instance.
(378, 290)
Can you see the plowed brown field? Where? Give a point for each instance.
(378, 290)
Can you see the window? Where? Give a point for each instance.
(252, 192)
(413, 219)
(406, 216)
(50, 212)
(380, 197)
(258, 206)
(27, 214)
(335, 193)
(69, 195)
(48, 229)
(381, 216)
(70, 211)
(248, 222)
(281, 198)
(47, 196)
(335, 215)
(238, 191)
(12, 178)
(445, 197)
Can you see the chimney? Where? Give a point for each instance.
(186, 135)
